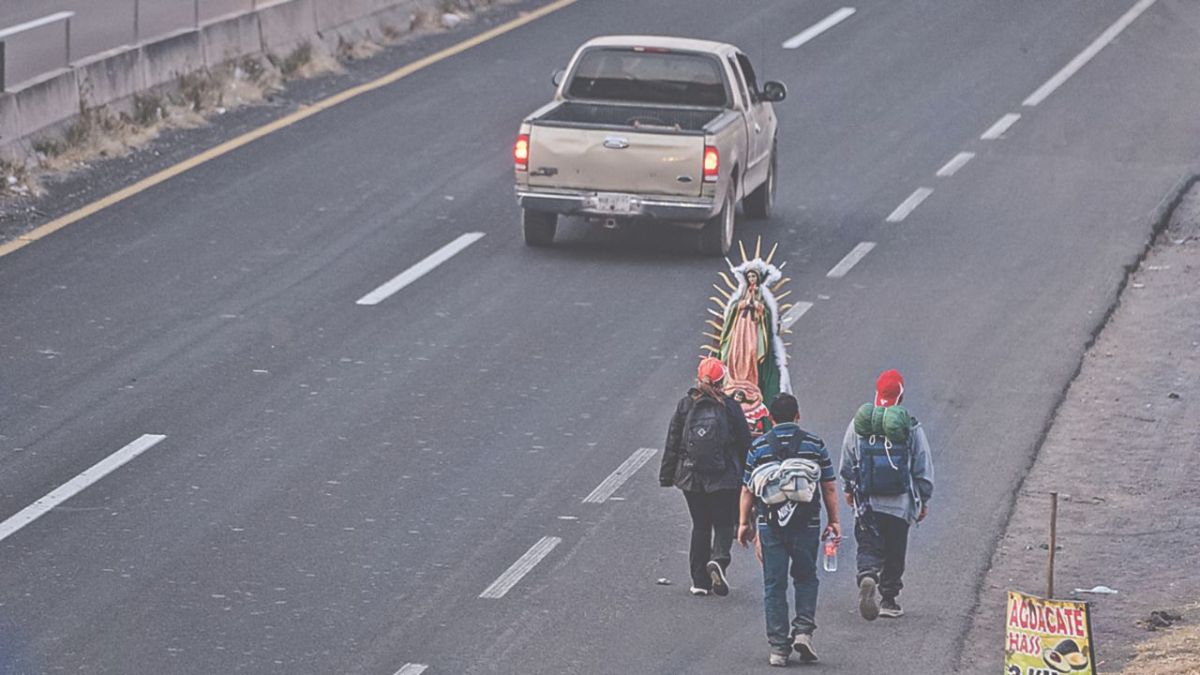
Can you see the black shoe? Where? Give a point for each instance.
(719, 584)
(889, 609)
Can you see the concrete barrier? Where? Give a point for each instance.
(50, 100)
(230, 38)
(175, 55)
(111, 77)
(10, 121)
(364, 20)
(285, 25)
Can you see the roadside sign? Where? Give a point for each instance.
(1047, 637)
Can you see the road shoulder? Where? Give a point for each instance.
(1122, 454)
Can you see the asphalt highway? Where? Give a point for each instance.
(422, 484)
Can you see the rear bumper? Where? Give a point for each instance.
(642, 206)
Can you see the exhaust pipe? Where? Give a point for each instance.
(610, 223)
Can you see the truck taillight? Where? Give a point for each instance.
(521, 152)
(712, 164)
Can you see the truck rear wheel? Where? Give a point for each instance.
(538, 227)
(760, 203)
(716, 238)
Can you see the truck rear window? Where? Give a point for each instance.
(648, 77)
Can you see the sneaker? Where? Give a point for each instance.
(868, 604)
(778, 659)
(802, 643)
(697, 591)
(889, 609)
(719, 585)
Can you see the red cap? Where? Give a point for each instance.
(889, 388)
(711, 370)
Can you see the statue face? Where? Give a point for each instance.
(752, 277)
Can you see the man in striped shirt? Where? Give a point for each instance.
(788, 535)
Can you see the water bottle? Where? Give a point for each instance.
(830, 557)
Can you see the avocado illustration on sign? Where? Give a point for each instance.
(1065, 657)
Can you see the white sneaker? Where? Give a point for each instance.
(778, 659)
(802, 643)
(697, 591)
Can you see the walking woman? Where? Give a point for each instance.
(704, 456)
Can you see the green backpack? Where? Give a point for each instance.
(892, 422)
(884, 450)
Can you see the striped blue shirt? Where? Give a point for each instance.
(794, 443)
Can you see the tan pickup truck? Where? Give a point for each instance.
(647, 128)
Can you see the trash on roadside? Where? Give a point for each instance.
(1099, 590)
(1159, 619)
(663, 581)
(1173, 395)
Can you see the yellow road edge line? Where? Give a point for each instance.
(303, 112)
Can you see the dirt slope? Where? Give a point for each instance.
(1124, 456)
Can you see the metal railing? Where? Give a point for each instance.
(5, 34)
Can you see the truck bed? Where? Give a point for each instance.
(683, 120)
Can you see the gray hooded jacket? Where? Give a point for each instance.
(905, 506)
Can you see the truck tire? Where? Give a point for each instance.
(760, 203)
(538, 227)
(716, 238)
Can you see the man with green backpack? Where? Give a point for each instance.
(887, 475)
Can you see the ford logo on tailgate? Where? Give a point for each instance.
(616, 143)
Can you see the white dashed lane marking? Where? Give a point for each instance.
(858, 253)
(908, 205)
(420, 269)
(412, 669)
(1002, 125)
(818, 28)
(617, 478)
(793, 315)
(77, 484)
(959, 161)
(1087, 54)
(504, 583)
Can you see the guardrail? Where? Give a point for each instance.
(7, 33)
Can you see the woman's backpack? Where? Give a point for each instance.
(706, 436)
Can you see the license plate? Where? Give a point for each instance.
(614, 203)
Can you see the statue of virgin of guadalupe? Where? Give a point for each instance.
(749, 338)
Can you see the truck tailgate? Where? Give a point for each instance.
(635, 162)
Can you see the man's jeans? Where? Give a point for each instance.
(795, 547)
(882, 547)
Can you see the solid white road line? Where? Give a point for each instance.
(420, 269)
(819, 27)
(77, 484)
(617, 478)
(908, 205)
(793, 315)
(960, 160)
(1086, 55)
(997, 130)
(412, 669)
(519, 569)
(839, 270)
